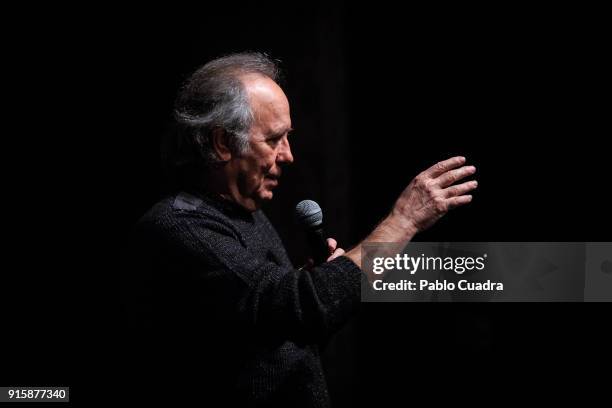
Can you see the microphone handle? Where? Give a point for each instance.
(318, 244)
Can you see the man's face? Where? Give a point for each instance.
(258, 171)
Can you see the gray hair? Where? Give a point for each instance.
(214, 97)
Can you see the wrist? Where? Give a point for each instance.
(398, 228)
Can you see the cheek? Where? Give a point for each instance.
(255, 171)
(270, 160)
(261, 162)
(265, 164)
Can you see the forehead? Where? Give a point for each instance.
(268, 102)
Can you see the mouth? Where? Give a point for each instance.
(272, 180)
(273, 176)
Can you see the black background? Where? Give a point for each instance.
(378, 94)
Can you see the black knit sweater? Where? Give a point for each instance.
(218, 310)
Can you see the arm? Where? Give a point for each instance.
(228, 284)
(426, 199)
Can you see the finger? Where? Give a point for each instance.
(444, 166)
(331, 245)
(338, 252)
(455, 202)
(460, 189)
(453, 176)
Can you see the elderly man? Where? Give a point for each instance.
(221, 308)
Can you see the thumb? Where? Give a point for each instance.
(331, 245)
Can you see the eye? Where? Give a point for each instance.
(274, 140)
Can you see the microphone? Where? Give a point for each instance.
(309, 215)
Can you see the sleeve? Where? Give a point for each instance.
(259, 295)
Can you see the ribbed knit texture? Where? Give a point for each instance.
(218, 308)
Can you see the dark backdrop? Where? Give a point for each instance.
(377, 95)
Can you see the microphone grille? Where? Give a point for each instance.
(308, 213)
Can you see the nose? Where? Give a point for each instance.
(284, 155)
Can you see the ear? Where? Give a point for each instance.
(220, 144)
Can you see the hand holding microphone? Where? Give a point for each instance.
(309, 215)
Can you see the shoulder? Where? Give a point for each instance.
(185, 214)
